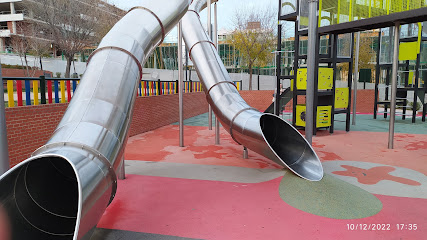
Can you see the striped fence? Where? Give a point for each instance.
(35, 91)
(42, 90)
(155, 88)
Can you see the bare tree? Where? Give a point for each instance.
(108, 16)
(39, 48)
(254, 36)
(21, 46)
(71, 25)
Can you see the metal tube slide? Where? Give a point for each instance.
(62, 191)
(263, 133)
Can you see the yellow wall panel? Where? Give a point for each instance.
(325, 78)
(341, 97)
(323, 116)
(408, 51)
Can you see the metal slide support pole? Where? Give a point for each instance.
(278, 61)
(181, 87)
(210, 36)
(122, 172)
(245, 153)
(356, 77)
(311, 62)
(4, 152)
(394, 85)
(215, 39)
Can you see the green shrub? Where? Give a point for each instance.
(418, 105)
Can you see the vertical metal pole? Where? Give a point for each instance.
(278, 61)
(181, 87)
(417, 75)
(394, 85)
(377, 74)
(122, 172)
(43, 89)
(245, 153)
(186, 64)
(278, 64)
(4, 152)
(215, 39)
(277, 84)
(210, 35)
(311, 68)
(356, 77)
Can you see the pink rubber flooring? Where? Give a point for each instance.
(220, 210)
(200, 148)
(228, 210)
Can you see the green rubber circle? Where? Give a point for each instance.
(330, 197)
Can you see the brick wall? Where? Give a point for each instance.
(258, 99)
(157, 111)
(29, 127)
(10, 72)
(365, 101)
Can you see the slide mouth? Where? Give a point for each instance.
(291, 148)
(40, 198)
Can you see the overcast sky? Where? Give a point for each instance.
(226, 9)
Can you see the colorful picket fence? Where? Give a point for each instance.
(35, 91)
(155, 88)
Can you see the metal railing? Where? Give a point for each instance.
(25, 91)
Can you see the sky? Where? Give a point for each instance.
(226, 10)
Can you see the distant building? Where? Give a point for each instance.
(13, 13)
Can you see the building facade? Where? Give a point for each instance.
(13, 16)
(11, 12)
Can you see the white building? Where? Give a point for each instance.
(11, 12)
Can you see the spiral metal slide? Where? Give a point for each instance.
(62, 191)
(263, 133)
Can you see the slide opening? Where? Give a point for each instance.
(291, 147)
(40, 201)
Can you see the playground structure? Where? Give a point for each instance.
(337, 22)
(62, 191)
(412, 72)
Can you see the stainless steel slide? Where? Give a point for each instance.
(63, 190)
(263, 133)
